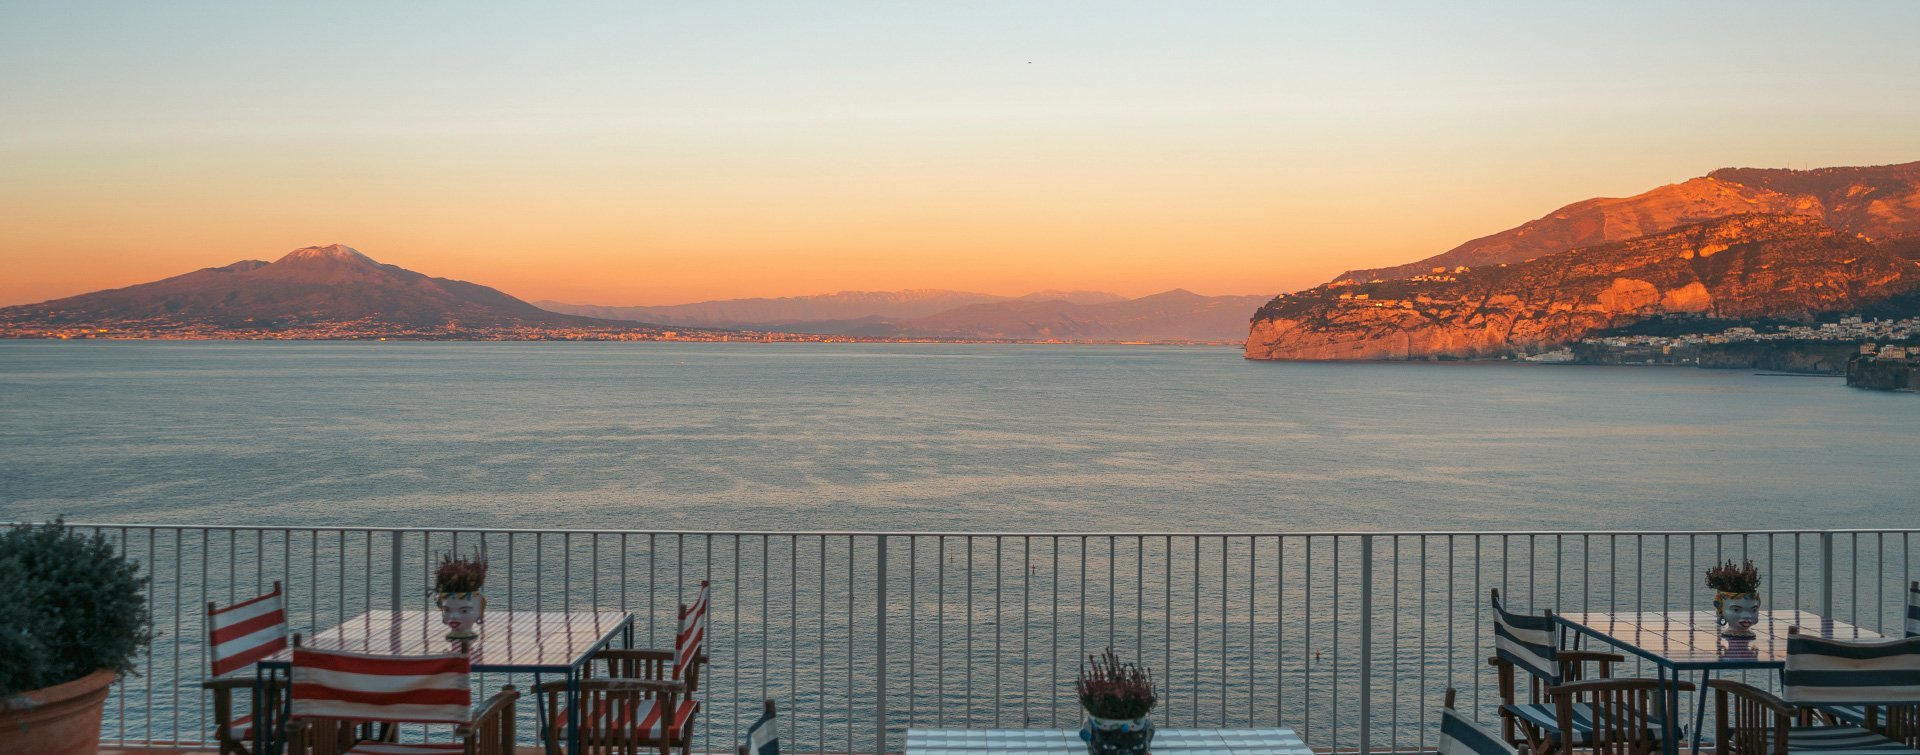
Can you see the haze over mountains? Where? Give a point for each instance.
(1738, 244)
(1171, 316)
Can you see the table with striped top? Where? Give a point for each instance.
(1063, 741)
(1677, 641)
(536, 642)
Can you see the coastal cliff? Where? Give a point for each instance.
(1787, 267)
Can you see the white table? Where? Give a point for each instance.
(1067, 741)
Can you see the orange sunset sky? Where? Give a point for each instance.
(636, 154)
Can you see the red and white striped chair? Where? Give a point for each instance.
(238, 636)
(627, 709)
(332, 692)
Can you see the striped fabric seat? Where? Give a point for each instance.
(1836, 740)
(241, 634)
(763, 735)
(640, 717)
(1459, 735)
(1850, 715)
(692, 633)
(1525, 641)
(1913, 609)
(345, 686)
(1822, 671)
(1547, 717)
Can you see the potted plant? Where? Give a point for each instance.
(73, 616)
(456, 584)
(1117, 697)
(1736, 597)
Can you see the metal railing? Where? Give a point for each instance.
(1349, 638)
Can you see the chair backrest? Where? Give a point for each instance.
(1872, 672)
(384, 688)
(243, 633)
(1525, 641)
(1913, 609)
(692, 635)
(763, 737)
(1460, 735)
(1620, 716)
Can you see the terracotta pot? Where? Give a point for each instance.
(63, 719)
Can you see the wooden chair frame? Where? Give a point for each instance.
(618, 697)
(491, 732)
(1626, 713)
(1572, 667)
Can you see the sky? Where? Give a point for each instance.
(659, 153)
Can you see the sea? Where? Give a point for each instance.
(928, 437)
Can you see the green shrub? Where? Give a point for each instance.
(69, 606)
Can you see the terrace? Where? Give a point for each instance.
(1348, 638)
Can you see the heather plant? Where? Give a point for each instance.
(1744, 578)
(1114, 690)
(460, 574)
(69, 606)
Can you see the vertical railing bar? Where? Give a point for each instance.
(1279, 629)
(1393, 725)
(1053, 677)
(1026, 631)
(998, 620)
(1334, 738)
(1224, 638)
(1195, 618)
(1477, 592)
(851, 623)
(880, 654)
(1253, 609)
(233, 565)
(940, 632)
(1112, 557)
(1306, 655)
(1424, 644)
(1166, 617)
(1140, 599)
(820, 696)
(1826, 575)
(539, 569)
(766, 614)
(1366, 642)
(733, 626)
(969, 657)
(793, 619)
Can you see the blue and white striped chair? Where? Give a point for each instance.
(763, 736)
(1868, 716)
(1820, 672)
(1526, 643)
(1460, 735)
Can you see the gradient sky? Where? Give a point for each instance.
(619, 154)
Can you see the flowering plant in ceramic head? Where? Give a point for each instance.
(1114, 690)
(460, 574)
(1742, 579)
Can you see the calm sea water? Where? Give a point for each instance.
(927, 437)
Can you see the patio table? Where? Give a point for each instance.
(535, 642)
(1680, 641)
(1067, 741)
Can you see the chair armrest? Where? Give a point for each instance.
(497, 710)
(634, 654)
(1762, 697)
(1583, 656)
(228, 683)
(656, 685)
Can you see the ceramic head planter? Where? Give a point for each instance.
(461, 612)
(457, 584)
(1736, 597)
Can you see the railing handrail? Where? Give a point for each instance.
(983, 533)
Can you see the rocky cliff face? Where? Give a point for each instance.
(1878, 202)
(1745, 266)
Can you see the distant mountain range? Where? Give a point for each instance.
(316, 289)
(816, 311)
(1172, 316)
(1738, 244)
(1877, 202)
